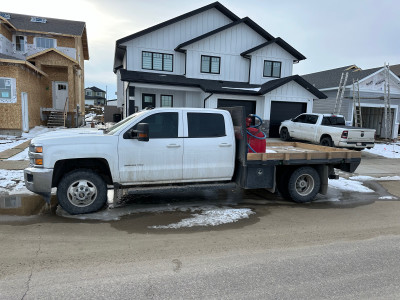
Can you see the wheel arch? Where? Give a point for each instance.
(325, 135)
(98, 165)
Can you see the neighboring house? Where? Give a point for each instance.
(95, 96)
(112, 102)
(41, 71)
(371, 82)
(211, 58)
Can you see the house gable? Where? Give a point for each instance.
(375, 83)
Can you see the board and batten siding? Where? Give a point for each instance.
(228, 45)
(166, 39)
(212, 102)
(289, 92)
(271, 52)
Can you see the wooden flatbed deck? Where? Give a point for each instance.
(295, 150)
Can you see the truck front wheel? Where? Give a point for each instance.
(304, 184)
(82, 191)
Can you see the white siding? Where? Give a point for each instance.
(290, 92)
(272, 52)
(166, 39)
(120, 90)
(228, 45)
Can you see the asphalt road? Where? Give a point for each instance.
(346, 249)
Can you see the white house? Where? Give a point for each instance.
(211, 58)
(371, 85)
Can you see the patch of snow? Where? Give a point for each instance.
(20, 156)
(348, 185)
(387, 150)
(10, 142)
(210, 217)
(12, 182)
(244, 89)
(368, 178)
(270, 151)
(388, 198)
(90, 116)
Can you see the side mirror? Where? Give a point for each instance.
(141, 133)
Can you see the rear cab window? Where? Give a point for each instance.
(205, 125)
(333, 120)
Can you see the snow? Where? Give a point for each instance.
(9, 142)
(387, 150)
(12, 182)
(367, 178)
(388, 198)
(210, 217)
(244, 89)
(20, 156)
(90, 116)
(270, 151)
(348, 185)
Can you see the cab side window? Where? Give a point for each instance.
(162, 125)
(311, 119)
(202, 125)
(300, 119)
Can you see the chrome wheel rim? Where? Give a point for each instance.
(304, 184)
(82, 193)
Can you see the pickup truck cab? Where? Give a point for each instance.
(170, 148)
(327, 130)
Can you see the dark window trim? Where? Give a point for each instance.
(152, 60)
(172, 100)
(146, 94)
(272, 66)
(209, 71)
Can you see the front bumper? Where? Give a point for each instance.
(38, 180)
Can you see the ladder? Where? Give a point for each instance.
(340, 93)
(387, 116)
(356, 105)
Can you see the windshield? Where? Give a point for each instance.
(113, 129)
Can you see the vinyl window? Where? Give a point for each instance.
(20, 43)
(210, 64)
(42, 42)
(166, 101)
(272, 68)
(5, 88)
(157, 61)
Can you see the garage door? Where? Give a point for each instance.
(281, 111)
(250, 106)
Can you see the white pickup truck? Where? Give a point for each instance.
(173, 149)
(327, 130)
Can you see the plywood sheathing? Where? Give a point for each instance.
(6, 32)
(29, 81)
(295, 150)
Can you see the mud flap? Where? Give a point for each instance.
(323, 172)
(46, 197)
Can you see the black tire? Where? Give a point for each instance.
(304, 184)
(284, 134)
(82, 191)
(326, 141)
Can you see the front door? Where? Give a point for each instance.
(60, 95)
(25, 112)
(159, 159)
(148, 100)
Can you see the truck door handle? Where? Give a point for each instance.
(225, 145)
(173, 146)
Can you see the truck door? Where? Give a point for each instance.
(297, 127)
(209, 147)
(308, 127)
(159, 159)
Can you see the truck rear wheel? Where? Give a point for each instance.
(82, 191)
(326, 141)
(304, 184)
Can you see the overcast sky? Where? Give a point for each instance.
(330, 33)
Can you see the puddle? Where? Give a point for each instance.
(23, 205)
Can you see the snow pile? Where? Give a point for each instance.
(90, 116)
(367, 178)
(348, 185)
(12, 181)
(210, 217)
(386, 150)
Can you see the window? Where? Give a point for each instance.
(210, 64)
(5, 88)
(166, 101)
(19, 43)
(61, 87)
(88, 93)
(272, 68)
(300, 119)
(333, 121)
(205, 125)
(162, 125)
(157, 61)
(44, 42)
(98, 93)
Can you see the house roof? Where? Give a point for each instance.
(12, 60)
(216, 86)
(52, 50)
(95, 89)
(60, 26)
(245, 20)
(331, 78)
(279, 41)
(215, 5)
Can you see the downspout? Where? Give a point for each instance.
(206, 98)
